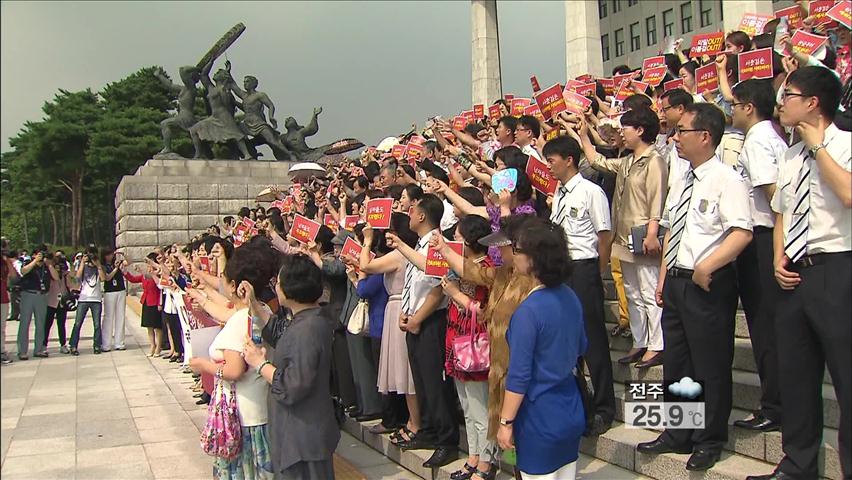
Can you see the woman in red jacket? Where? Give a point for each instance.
(151, 317)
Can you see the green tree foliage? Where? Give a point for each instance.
(69, 163)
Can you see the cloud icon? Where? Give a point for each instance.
(686, 387)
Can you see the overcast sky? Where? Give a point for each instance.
(374, 67)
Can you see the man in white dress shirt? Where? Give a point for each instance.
(763, 148)
(709, 224)
(813, 261)
(529, 129)
(581, 208)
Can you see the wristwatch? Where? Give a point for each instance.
(816, 148)
(506, 422)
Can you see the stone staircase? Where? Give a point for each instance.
(746, 453)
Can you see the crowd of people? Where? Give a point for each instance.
(695, 202)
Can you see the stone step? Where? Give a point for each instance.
(588, 467)
(618, 446)
(746, 388)
(759, 445)
(743, 353)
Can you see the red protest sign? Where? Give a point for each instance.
(351, 248)
(328, 220)
(304, 230)
(608, 85)
(494, 112)
(706, 79)
(755, 64)
(653, 62)
(534, 83)
(638, 86)
(416, 140)
(468, 117)
(518, 106)
(653, 76)
(398, 150)
(204, 264)
(413, 152)
(540, 176)
(550, 101)
(166, 282)
(534, 111)
(585, 89)
(576, 103)
(570, 85)
(349, 221)
(287, 206)
(585, 78)
(436, 265)
(819, 10)
(240, 233)
(753, 23)
(793, 14)
(842, 13)
(808, 43)
(672, 84)
(622, 78)
(707, 44)
(379, 212)
(248, 222)
(478, 111)
(509, 97)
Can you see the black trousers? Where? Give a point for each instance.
(394, 408)
(759, 294)
(59, 316)
(698, 329)
(587, 284)
(342, 381)
(436, 395)
(813, 327)
(175, 331)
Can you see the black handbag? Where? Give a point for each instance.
(68, 301)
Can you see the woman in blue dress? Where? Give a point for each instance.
(542, 415)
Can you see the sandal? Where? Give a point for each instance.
(616, 331)
(380, 429)
(399, 437)
(464, 473)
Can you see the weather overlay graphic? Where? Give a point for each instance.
(669, 404)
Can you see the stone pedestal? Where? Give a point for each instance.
(485, 52)
(582, 38)
(170, 201)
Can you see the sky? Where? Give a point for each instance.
(374, 67)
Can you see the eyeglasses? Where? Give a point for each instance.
(679, 131)
(665, 109)
(785, 94)
(734, 104)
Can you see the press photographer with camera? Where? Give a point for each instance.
(36, 274)
(61, 299)
(115, 300)
(7, 272)
(90, 273)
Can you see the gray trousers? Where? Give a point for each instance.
(323, 470)
(364, 372)
(473, 397)
(33, 307)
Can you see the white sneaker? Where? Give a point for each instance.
(4, 359)
(64, 349)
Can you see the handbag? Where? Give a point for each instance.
(68, 301)
(472, 352)
(359, 321)
(222, 435)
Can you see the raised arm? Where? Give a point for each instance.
(164, 80)
(458, 200)
(313, 126)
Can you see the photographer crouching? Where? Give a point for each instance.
(37, 272)
(90, 274)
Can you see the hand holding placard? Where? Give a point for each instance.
(379, 211)
(304, 230)
(436, 264)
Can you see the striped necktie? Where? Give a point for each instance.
(406, 288)
(680, 221)
(796, 238)
(560, 204)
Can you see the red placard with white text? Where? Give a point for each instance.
(550, 101)
(672, 84)
(494, 112)
(509, 97)
(534, 111)
(413, 152)
(248, 222)
(842, 13)
(204, 264)
(576, 103)
(608, 85)
(468, 117)
(379, 212)
(540, 177)
(808, 43)
(793, 14)
(707, 44)
(436, 265)
(585, 78)
(478, 111)
(328, 220)
(653, 62)
(585, 89)
(819, 10)
(518, 106)
(654, 75)
(534, 83)
(351, 248)
(706, 79)
(753, 23)
(459, 122)
(416, 140)
(398, 150)
(349, 221)
(755, 64)
(304, 229)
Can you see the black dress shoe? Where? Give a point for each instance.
(772, 476)
(368, 417)
(652, 362)
(441, 457)
(660, 446)
(702, 459)
(758, 423)
(416, 444)
(600, 425)
(632, 358)
(205, 399)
